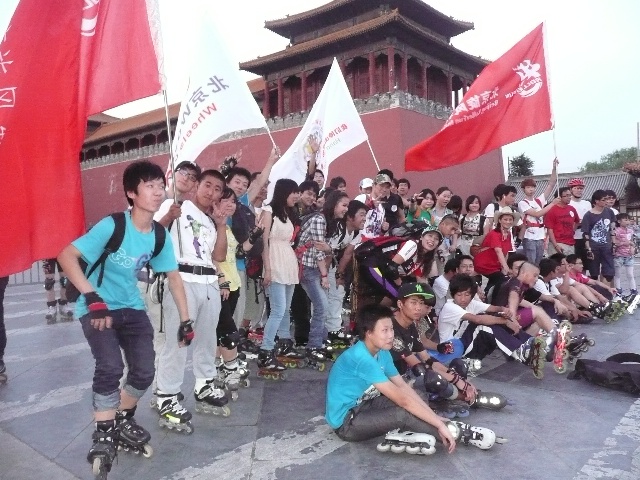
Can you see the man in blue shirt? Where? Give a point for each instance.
(112, 312)
(366, 397)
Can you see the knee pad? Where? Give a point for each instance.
(460, 367)
(63, 282)
(49, 283)
(419, 370)
(229, 341)
(436, 384)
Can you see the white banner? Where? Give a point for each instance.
(218, 100)
(7, 9)
(333, 122)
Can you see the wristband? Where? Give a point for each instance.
(95, 304)
(185, 332)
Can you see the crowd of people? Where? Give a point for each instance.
(418, 287)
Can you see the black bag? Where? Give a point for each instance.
(618, 372)
(112, 246)
(242, 222)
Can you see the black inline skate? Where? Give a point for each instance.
(577, 345)
(317, 358)
(339, 340)
(211, 400)
(104, 448)
(269, 366)
(131, 436)
(172, 414)
(288, 355)
(3, 372)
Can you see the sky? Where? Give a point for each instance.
(591, 47)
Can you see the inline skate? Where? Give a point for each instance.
(481, 437)
(339, 340)
(211, 400)
(288, 355)
(66, 313)
(411, 442)
(3, 373)
(561, 353)
(231, 375)
(131, 436)
(317, 358)
(172, 414)
(104, 448)
(577, 345)
(52, 313)
(532, 353)
(269, 366)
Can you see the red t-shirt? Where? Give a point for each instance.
(561, 220)
(486, 262)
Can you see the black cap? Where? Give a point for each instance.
(411, 289)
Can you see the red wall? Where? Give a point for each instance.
(391, 133)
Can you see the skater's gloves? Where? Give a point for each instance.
(98, 311)
(185, 333)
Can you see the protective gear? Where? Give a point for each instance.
(63, 282)
(575, 182)
(459, 366)
(230, 341)
(436, 384)
(49, 283)
(255, 234)
(419, 369)
(445, 348)
(185, 332)
(97, 308)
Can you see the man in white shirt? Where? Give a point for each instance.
(441, 284)
(533, 209)
(582, 206)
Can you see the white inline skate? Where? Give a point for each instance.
(410, 442)
(481, 437)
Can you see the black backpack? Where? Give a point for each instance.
(242, 222)
(112, 246)
(618, 372)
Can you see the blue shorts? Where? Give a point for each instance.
(623, 261)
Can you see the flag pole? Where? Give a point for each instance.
(553, 120)
(173, 166)
(373, 155)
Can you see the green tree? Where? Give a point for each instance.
(520, 166)
(611, 161)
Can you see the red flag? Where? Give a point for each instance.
(43, 119)
(507, 102)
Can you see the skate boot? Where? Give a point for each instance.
(561, 354)
(632, 300)
(103, 450)
(211, 400)
(480, 437)
(473, 366)
(172, 414)
(410, 442)
(490, 401)
(449, 408)
(340, 339)
(269, 366)
(288, 355)
(577, 345)
(317, 357)
(256, 335)
(231, 378)
(132, 436)
(52, 313)
(3, 372)
(66, 313)
(532, 354)
(551, 340)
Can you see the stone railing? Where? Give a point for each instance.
(377, 102)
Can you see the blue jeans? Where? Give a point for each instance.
(533, 249)
(279, 321)
(318, 296)
(458, 351)
(131, 330)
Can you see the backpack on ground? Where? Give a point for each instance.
(112, 246)
(618, 372)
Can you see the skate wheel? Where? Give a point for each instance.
(564, 354)
(427, 450)
(501, 440)
(560, 368)
(321, 367)
(584, 349)
(592, 342)
(413, 450)
(188, 429)
(246, 383)
(397, 448)
(226, 411)
(147, 451)
(538, 374)
(234, 396)
(96, 467)
(383, 447)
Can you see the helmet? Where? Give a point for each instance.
(432, 229)
(575, 182)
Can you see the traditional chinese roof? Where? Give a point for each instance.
(426, 15)
(145, 121)
(615, 180)
(388, 23)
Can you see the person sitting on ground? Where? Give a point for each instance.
(367, 397)
(575, 266)
(564, 279)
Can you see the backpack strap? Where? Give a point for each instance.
(624, 358)
(161, 235)
(112, 246)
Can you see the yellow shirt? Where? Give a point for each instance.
(228, 267)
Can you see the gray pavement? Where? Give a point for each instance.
(557, 428)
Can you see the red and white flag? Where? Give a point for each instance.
(507, 102)
(333, 122)
(217, 101)
(60, 61)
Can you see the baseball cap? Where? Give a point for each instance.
(432, 229)
(366, 183)
(575, 182)
(419, 289)
(382, 178)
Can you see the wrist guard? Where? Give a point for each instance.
(185, 332)
(445, 347)
(96, 306)
(225, 285)
(255, 234)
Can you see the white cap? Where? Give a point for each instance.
(366, 183)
